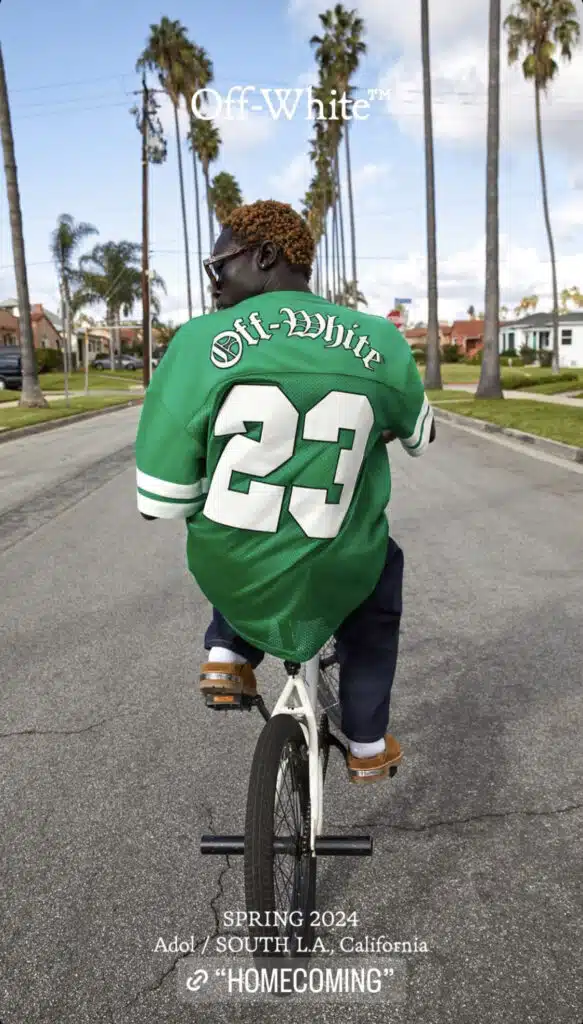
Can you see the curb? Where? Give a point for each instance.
(557, 448)
(63, 421)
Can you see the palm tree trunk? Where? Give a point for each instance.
(543, 181)
(341, 226)
(183, 206)
(209, 206)
(65, 352)
(31, 395)
(333, 241)
(326, 260)
(110, 318)
(351, 212)
(197, 211)
(433, 368)
(489, 385)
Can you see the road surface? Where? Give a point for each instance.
(111, 768)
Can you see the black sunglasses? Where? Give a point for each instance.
(218, 261)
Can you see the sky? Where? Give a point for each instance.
(71, 75)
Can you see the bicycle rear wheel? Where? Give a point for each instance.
(329, 683)
(278, 807)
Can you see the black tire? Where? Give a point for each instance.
(329, 683)
(281, 741)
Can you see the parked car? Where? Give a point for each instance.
(123, 363)
(10, 368)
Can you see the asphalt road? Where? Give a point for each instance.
(111, 768)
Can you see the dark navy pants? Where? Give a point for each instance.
(367, 644)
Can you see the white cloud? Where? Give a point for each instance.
(240, 129)
(292, 182)
(523, 271)
(370, 174)
(459, 37)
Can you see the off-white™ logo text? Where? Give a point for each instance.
(227, 347)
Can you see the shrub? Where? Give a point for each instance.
(451, 354)
(528, 355)
(515, 381)
(475, 360)
(48, 360)
(546, 358)
(418, 355)
(506, 359)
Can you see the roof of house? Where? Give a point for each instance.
(467, 329)
(416, 332)
(543, 320)
(8, 303)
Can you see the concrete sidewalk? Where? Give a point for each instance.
(564, 399)
(54, 396)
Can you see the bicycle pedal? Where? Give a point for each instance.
(229, 701)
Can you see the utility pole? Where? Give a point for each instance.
(146, 331)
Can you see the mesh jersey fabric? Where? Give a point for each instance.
(262, 428)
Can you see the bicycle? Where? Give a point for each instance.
(291, 736)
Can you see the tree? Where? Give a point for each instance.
(526, 305)
(111, 275)
(205, 142)
(66, 240)
(432, 369)
(571, 295)
(541, 30)
(338, 51)
(489, 384)
(168, 53)
(31, 394)
(225, 196)
(471, 312)
(199, 74)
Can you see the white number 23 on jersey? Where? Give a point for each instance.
(260, 508)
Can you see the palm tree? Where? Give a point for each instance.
(571, 295)
(111, 275)
(199, 74)
(205, 141)
(541, 30)
(489, 385)
(168, 53)
(66, 239)
(338, 52)
(433, 368)
(31, 394)
(225, 196)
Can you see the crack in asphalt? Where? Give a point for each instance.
(487, 816)
(219, 894)
(61, 732)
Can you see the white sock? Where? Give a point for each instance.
(367, 749)
(222, 655)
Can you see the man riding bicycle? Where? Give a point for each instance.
(265, 428)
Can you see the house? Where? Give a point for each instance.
(8, 328)
(47, 328)
(536, 331)
(468, 335)
(417, 336)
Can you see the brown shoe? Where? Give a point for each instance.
(227, 683)
(370, 769)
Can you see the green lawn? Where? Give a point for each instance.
(460, 373)
(11, 419)
(559, 423)
(8, 395)
(104, 379)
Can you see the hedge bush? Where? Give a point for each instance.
(513, 382)
(48, 360)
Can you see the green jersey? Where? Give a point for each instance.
(262, 429)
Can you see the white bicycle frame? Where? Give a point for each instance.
(299, 698)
